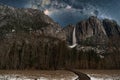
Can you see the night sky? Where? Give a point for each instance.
(71, 11)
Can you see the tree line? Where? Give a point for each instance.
(42, 52)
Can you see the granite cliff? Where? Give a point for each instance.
(93, 31)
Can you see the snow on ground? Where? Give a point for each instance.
(92, 76)
(103, 77)
(18, 77)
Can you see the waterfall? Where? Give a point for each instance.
(74, 40)
(74, 37)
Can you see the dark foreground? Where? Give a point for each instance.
(81, 76)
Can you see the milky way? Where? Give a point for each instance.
(71, 11)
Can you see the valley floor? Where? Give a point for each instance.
(102, 74)
(57, 75)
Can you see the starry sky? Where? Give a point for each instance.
(71, 11)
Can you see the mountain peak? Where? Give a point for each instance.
(94, 31)
(28, 20)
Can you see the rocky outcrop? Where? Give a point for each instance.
(93, 31)
(111, 28)
(28, 20)
(69, 33)
(90, 28)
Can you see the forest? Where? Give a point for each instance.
(21, 52)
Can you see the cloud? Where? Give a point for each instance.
(45, 2)
(105, 16)
(59, 6)
(68, 7)
(61, 10)
(48, 12)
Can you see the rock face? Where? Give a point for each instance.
(28, 20)
(26, 35)
(69, 33)
(93, 31)
(111, 28)
(90, 31)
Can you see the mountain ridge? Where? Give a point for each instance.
(94, 28)
(33, 20)
(19, 19)
(29, 39)
(91, 30)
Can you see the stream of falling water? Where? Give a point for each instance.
(74, 40)
(74, 37)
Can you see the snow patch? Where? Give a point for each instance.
(72, 46)
(103, 77)
(19, 77)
